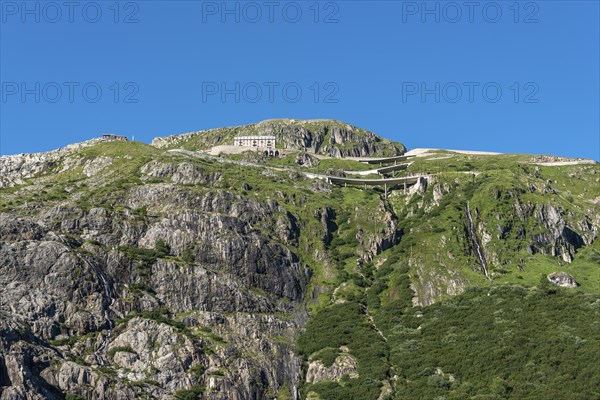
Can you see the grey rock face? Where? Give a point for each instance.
(327, 217)
(419, 187)
(562, 279)
(183, 173)
(186, 325)
(313, 138)
(15, 168)
(307, 160)
(558, 239)
(344, 365)
(21, 363)
(47, 284)
(93, 166)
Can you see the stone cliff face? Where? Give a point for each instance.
(15, 169)
(327, 137)
(86, 291)
(66, 291)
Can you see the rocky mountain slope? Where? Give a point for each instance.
(132, 271)
(327, 137)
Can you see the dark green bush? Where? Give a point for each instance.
(195, 393)
(162, 248)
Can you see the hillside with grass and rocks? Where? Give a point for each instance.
(165, 271)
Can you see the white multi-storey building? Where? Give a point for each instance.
(263, 142)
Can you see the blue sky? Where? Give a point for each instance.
(502, 77)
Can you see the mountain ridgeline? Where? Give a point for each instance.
(161, 271)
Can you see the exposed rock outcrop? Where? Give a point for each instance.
(307, 160)
(95, 165)
(14, 169)
(562, 279)
(343, 365)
